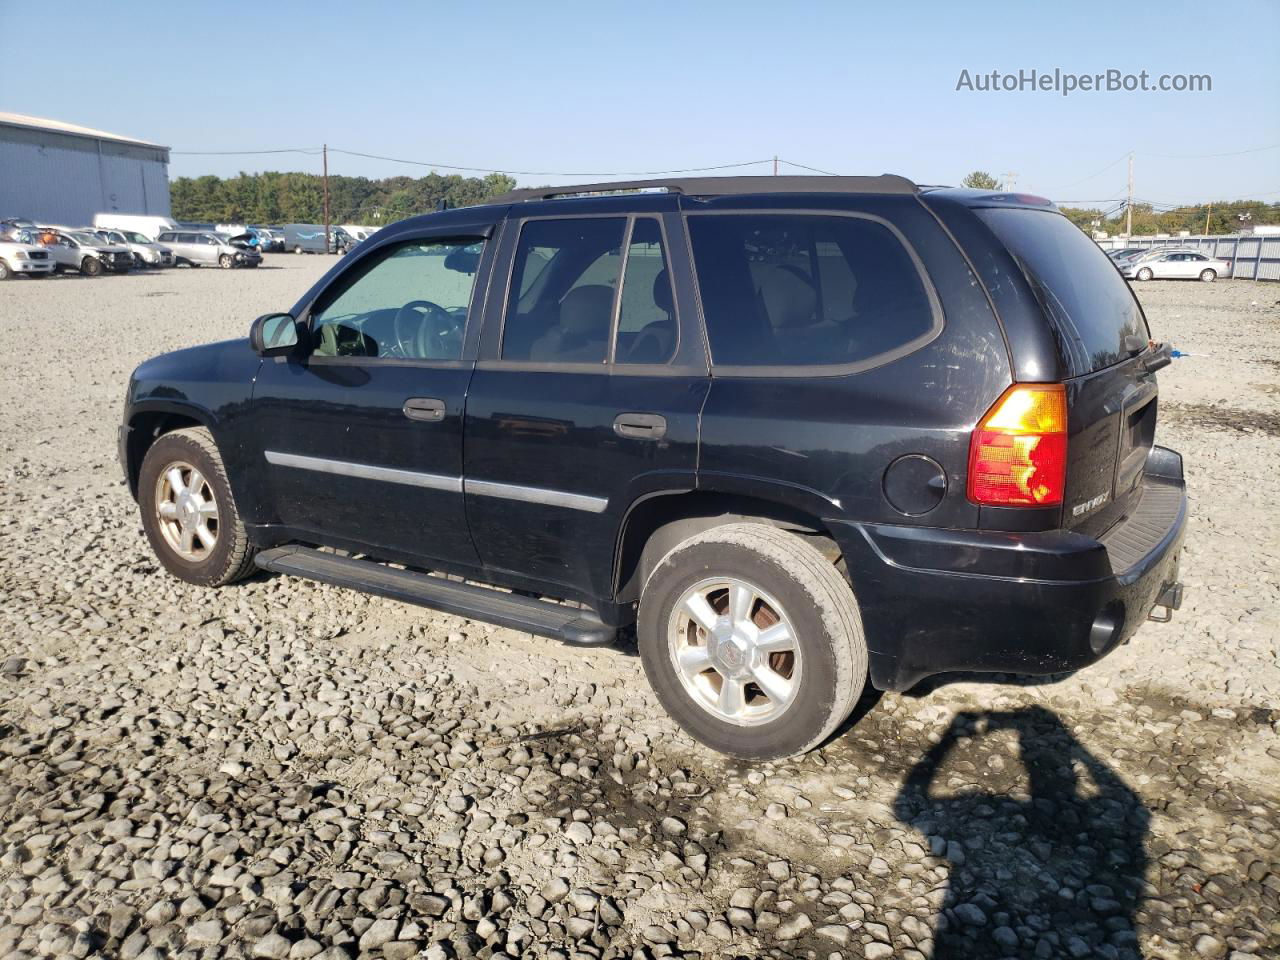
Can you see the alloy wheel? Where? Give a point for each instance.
(735, 651)
(186, 511)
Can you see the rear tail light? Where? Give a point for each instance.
(1018, 453)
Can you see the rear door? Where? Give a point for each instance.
(1102, 334)
(587, 394)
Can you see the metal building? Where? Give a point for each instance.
(53, 172)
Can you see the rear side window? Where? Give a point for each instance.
(798, 290)
(1089, 304)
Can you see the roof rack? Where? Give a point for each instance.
(724, 186)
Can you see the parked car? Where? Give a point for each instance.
(24, 260)
(83, 251)
(803, 433)
(149, 226)
(304, 237)
(16, 229)
(269, 241)
(1126, 252)
(202, 248)
(1176, 265)
(146, 253)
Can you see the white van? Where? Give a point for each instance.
(359, 232)
(150, 227)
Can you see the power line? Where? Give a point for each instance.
(309, 151)
(1206, 156)
(791, 163)
(549, 173)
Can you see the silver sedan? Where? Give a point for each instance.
(1175, 265)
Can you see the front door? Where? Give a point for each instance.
(587, 395)
(361, 435)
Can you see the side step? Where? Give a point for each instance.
(578, 627)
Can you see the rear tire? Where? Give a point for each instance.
(5, 272)
(209, 549)
(1145, 273)
(297, 249)
(811, 673)
(1208, 276)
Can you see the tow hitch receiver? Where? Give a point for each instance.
(1170, 598)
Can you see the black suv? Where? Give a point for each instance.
(800, 432)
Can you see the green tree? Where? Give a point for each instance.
(273, 197)
(980, 180)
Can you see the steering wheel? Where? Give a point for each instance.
(424, 340)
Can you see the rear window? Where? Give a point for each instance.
(783, 290)
(1089, 304)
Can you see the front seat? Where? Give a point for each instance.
(582, 334)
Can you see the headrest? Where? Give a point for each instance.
(662, 292)
(586, 310)
(789, 298)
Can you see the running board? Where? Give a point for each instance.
(578, 627)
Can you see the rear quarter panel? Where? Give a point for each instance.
(822, 444)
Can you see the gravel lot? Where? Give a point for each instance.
(285, 769)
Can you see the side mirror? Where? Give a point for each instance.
(274, 334)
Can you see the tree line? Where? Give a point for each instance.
(299, 197)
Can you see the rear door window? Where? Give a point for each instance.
(788, 290)
(1088, 303)
(564, 281)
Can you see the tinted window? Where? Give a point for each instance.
(409, 304)
(787, 290)
(1089, 304)
(560, 308)
(646, 318)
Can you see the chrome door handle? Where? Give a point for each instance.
(640, 426)
(424, 408)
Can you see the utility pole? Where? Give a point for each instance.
(1207, 214)
(775, 165)
(1128, 204)
(326, 198)
(1009, 180)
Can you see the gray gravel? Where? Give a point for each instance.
(285, 769)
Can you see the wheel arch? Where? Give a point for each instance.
(658, 522)
(148, 424)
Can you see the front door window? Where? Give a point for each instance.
(409, 304)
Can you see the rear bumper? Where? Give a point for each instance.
(936, 601)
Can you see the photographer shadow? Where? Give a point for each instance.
(1048, 861)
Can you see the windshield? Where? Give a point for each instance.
(136, 238)
(1091, 307)
(89, 239)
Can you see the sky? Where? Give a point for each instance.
(572, 92)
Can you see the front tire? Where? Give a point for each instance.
(1208, 276)
(225, 261)
(91, 266)
(752, 640)
(1145, 273)
(297, 249)
(5, 272)
(188, 513)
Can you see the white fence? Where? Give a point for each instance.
(1251, 258)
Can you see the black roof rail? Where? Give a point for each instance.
(724, 186)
